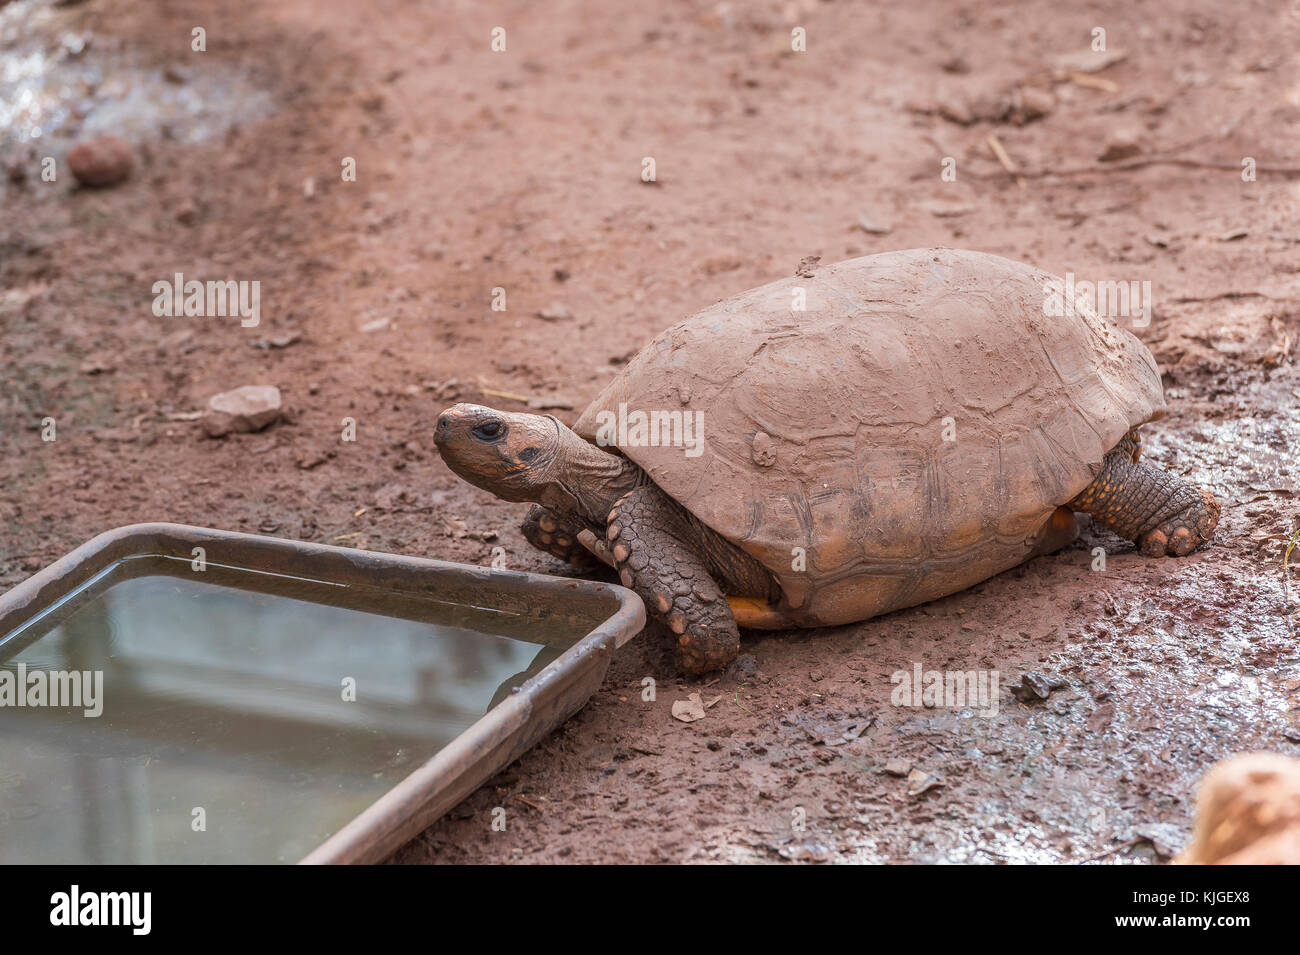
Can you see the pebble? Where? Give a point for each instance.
(947, 209)
(1036, 102)
(1035, 686)
(102, 162)
(245, 409)
(555, 312)
(551, 403)
(871, 226)
(1123, 144)
(100, 363)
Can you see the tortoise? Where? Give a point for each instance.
(925, 421)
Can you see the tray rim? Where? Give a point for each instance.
(460, 767)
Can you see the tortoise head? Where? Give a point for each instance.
(512, 455)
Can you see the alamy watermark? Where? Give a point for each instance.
(177, 297)
(651, 429)
(56, 689)
(1113, 299)
(950, 689)
(133, 910)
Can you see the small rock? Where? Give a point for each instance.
(744, 668)
(278, 341)
(447, 390)
(101, 162)
(187, 213)
(957, 109)
(1032, 687)
(841, 732)
(946, 208)
(919, 781)
(807, 266)
(1167, 839)
(871, 226)
(1122, 144)
(555, 312)
(1036, 102)
(16, 170)
(75, 44)
(953, 107)
(550, 402)
(806, 851)
(178, 343)
(1087, 61)
(100, 363)
(898, 767)
(246, 409)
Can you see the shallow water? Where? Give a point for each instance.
(227, 707)
(60, 81)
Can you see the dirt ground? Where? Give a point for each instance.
(522, 170)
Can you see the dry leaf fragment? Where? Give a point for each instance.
(690, 709)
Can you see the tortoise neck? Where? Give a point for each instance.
(587, 482)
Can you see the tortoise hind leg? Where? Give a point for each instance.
(1159, 511)
(656, 551)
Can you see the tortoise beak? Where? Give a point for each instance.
(443, 430)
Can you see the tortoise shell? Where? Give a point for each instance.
(905, 436)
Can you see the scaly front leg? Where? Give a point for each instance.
(651, 542)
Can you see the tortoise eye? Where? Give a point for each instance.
(487, 431)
